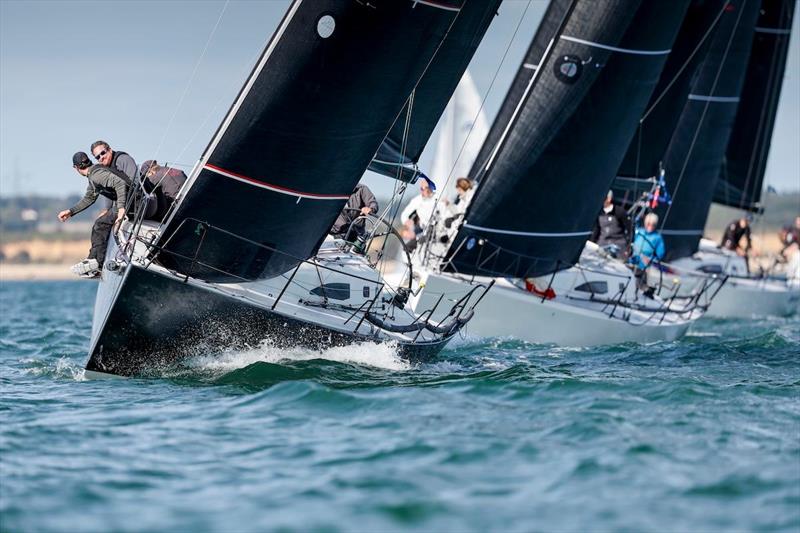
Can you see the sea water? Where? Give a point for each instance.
(496, 434)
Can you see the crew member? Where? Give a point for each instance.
(612, 227)
(164, 182)
(734, 233)
(361, 203)
(648, 246)
(109, 183)
(418, 212)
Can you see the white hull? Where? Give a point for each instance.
(742, 296)
(746, 298)
(508, 311)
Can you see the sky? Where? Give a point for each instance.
(155, 79)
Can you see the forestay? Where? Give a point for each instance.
(322, 97)
(742, 175)
(554, 157)
(399, 153)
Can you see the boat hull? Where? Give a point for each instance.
(150, 321)
(508, 311)
(746, 298)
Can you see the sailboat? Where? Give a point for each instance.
(244, 256)
(706, 109)
(545, 166)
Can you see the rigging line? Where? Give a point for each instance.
(191, 79)
(705, 109)
(480, 109)
(685, 63)
(247, 66)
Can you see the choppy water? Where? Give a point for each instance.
(700, 434)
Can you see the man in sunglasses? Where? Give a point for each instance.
(109, 183)
(121, 161)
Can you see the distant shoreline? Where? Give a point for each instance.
(36, 272)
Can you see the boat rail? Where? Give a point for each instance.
(698, 300)
(459, 314)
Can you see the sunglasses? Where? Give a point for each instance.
(101, 154)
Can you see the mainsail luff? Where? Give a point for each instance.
(399, 153)
(694, 155)
(742, 175)
(537, 201)
(300, 134)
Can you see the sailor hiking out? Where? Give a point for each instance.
(164, 182)
(111, 184)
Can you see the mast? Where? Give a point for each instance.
(742, 174)
(322, 97)
(551, 161)
(462, 131)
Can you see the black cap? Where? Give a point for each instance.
(81, 160)
(145, 167)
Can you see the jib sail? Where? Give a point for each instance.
(322, 97)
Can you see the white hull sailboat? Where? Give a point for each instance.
(571, 293)
(743, 295)
(592, 303)
(243, 256)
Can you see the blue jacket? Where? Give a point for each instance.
(646, 245)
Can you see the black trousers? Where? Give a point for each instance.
(100, 232)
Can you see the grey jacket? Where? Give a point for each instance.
(106, 182)
(361, 197)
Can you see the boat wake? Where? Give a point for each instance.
(376, 355)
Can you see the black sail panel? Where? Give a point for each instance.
(742, 174)
(694, 156)
(547, 30)
(539, 196)
(645, 154)
(325, 92)
(397, 159)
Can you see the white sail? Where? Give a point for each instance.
(459, 140)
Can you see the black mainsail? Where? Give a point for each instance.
(559, 150)
(693, 157)
(742, 175)
(297, 139)
(399, 153)
(548, 27)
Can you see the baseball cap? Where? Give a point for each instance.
(81, 160)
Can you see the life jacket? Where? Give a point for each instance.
(114, 160)
(108, 192)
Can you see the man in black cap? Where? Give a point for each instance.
(612, 227)
(109, 183)
(734, 233)
(166, 182)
